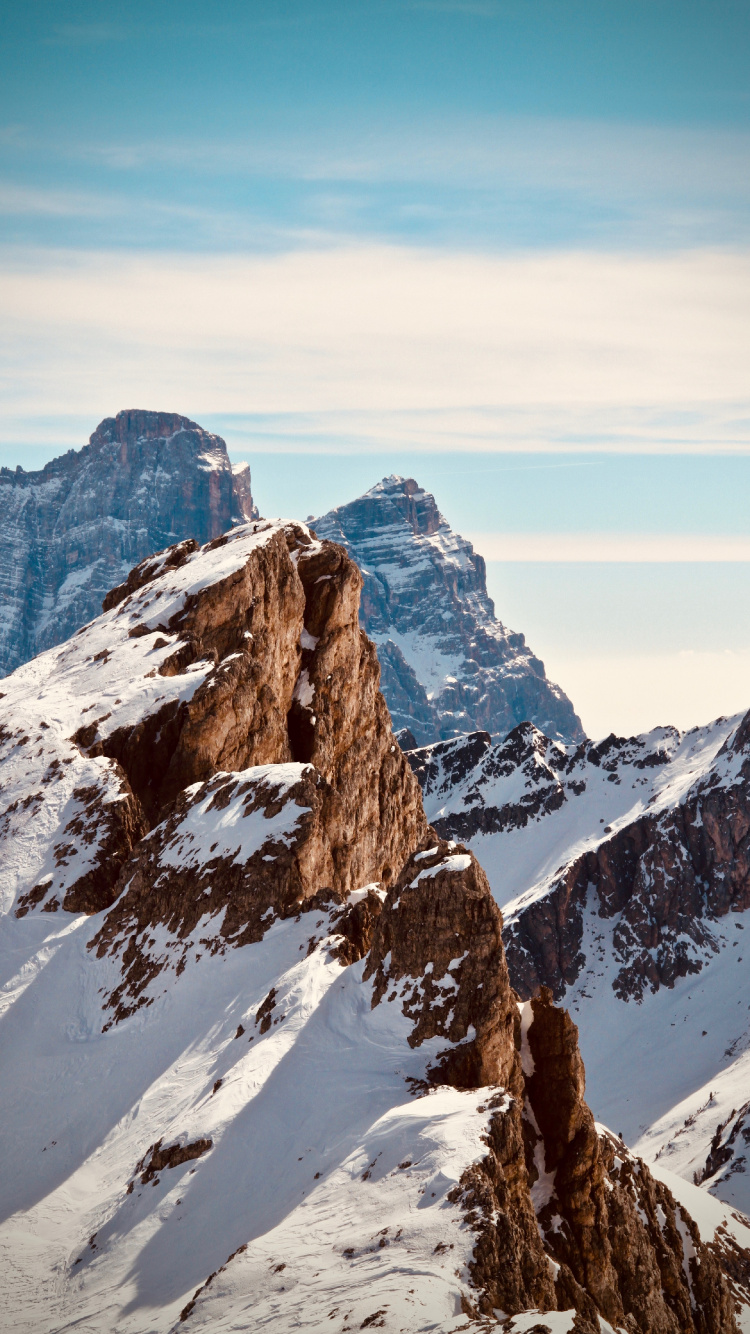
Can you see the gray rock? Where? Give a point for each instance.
(649, 833)
(73, 530)
(448, 664)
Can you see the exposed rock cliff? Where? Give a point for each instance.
(241, 655)
(448, 665)
(623, 871)
(268, 1070)
(69, 532)
(653, 834)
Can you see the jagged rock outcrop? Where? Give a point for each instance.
(616, 1232)
(622, 871)
(669, 855)
(250, 655)
(70, 531)
(550, 1186)
(290, 996)
(728, 1151)
(440, 925)
(662, 880)
(448, 665)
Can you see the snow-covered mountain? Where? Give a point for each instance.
(623, 873)
(71, 531)
(448, 664)
(262, 1067)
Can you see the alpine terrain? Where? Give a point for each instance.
(263, 1066)
(448, 665)
(623, 872)
(71, 531)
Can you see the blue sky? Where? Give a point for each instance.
(501, 246)
(485, 123)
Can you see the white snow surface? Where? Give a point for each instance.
(322, 1165)
(522, 859)
(330, 1178)
(206, 831)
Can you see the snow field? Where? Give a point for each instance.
(323, 1091)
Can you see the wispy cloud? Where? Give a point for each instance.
(525, 151)
(364, 347)
(606, 548)
(476, 8)
(87, 34)
(46, 201)
(377, 344)
(481, 181)
(127, 220)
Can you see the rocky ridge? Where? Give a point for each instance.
(622, 869)
(73, 529)
(263, 1064)
(448, 665)
(653, 832)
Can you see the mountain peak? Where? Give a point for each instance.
(449, 666)
(401, 500)
(141, 424)
(72, 530)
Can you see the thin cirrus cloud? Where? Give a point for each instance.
(392, 346)
(642, 548)
(510, 151)
(110, 205)
(86, 34)
(489, 181)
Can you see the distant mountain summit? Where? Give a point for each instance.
(448, 664)
(71, 531)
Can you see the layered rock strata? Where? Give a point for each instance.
(448, 665)
(70, 531)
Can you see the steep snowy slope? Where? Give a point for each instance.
(72, 530)
(448, 664)
(623, 871)
(262, 1065)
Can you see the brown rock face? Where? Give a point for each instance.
(340, 723)
(438, 943)
(509, 1267)
(263, 852)
(601, 1220)
(295, 679)
(249, 623)
(665, 876)
(563, 1218)
(295, 684)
